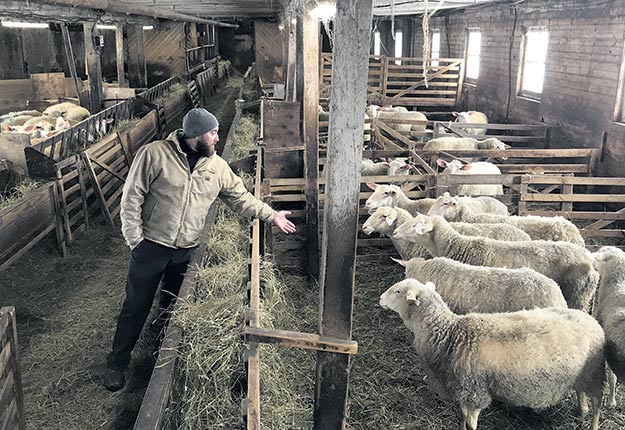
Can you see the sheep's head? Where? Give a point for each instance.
(383, 195)
(399, 166)
(446, 206)
(461, 116)
(453, 167)
(403, 294)
(413, 263)
(607, 256)
(381, 221)
(413, 230)
(493, 143)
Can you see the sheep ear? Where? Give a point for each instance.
(405, 167)
(430, 286)
(466, 167)
(441, 163)
(505, 145)
(400, 262)
(372, 185)
(455, 114)
(411, 297)
(385, 164)
(390, 219)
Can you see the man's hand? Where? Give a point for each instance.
(283, 223)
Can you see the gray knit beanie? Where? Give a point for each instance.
(198, 121)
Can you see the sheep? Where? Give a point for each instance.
(387, 220)
(554, 228)
(567, 264)
(399, 113)
(610, 263)
(529, 358)
(393, 196)
(369, 168)
(459, 143)
(30, 113)
(399, 166)
(472, 117)
(67, 110)
(468, 288)
(455, 167)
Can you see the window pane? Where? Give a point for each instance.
(473, 67)
(533, 77)
(376, 43)
(536, 46)
(436, 44)
(475, 40)
(398, 46)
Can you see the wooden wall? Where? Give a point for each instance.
(165, 54)
(270, 51)
(582, 72)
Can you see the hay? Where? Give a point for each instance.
(245, 137)
(22, 190)
(174, 91)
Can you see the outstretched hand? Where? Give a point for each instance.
(283, 223)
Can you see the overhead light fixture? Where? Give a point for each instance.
(148, 27)
(12, 24)
(324, 10)
(105, 27)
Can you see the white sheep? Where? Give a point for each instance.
(467, 288)
(370, 168)
(554, 228)
(387, 220)
(449, 143)
(399, 166)
(567, 264)
(531, 358)
(393, 196)
(610, 263)
(455, 167)
(472, 117)
(67, 110)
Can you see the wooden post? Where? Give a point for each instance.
(310, 134)
(291, 60)
(340, 223)
(137, 74)
(299, 42)
(94, 70)
(69, 57)
(119, 46)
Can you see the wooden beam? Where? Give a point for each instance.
(94, 69)
(309, 132)
(119, 48)
(340, 221)
(137, 73)
(71, 64)
(291, 59)
(300, 340)
(132, 8)
(299, 42)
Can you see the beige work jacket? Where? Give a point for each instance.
(165, 203)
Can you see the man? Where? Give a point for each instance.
(170, 187)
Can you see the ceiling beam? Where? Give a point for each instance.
(18, 9)
(135, 9)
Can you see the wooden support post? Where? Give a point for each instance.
(69, 57)
(119, 46)
(299, 42)
(291, 60)
(340, 222)
(137, 74)
(94, 70)
(310, 134)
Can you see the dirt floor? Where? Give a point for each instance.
(66, 314)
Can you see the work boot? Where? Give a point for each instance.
(114, 380)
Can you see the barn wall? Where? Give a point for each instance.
(582, 71)
(270, 44)
(165, 54)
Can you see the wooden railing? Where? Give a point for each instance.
(11, 397)
(404, 84)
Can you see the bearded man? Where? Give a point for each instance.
(170, 187)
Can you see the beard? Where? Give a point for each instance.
(205, 149)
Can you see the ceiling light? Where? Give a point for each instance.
(24, 24)
(323, 11)
(105, 27)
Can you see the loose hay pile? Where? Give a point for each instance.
(22, 190)
(245, 137)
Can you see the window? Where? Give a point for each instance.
(474, 42)
(534, 57)
(398, 46)
(435, 48)
(376, 43)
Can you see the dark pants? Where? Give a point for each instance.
(150, 263)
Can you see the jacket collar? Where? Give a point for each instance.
(175, 137)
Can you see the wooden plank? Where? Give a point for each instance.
(518, 153)
(582, 215)
(575, 180)
(542, 168)
(94, 69)
(300, 340)
(352, 33)
(591, 198)
(98, 191)
(10, 417)
(119, 51)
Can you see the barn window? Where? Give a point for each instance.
(534, 56)
(398, 46)
(474, 42)
(435, 51)
(376, 43)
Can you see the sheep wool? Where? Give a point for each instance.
(527, 358)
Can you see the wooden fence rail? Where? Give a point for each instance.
(11, 397)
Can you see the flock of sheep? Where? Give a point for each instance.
(41, 125)
(498, 304)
